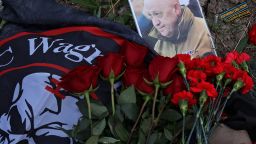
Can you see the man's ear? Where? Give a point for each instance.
(177, 8)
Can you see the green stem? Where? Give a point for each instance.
(222, 109)
(186, 83)
(112, 96)
(183, 128)
(87, 96)
(220, 112)
(203, 131)
(195, 122)
(138, 118)
(154, 102)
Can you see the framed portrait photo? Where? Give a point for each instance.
(173, 27)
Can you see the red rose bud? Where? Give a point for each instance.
(132, 75)
(80, 79)
(134, 55)
(144, 87)
(111, 63)
(252, 35)
(161, 69)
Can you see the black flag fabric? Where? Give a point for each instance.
(42, 41)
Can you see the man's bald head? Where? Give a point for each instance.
(164, 15)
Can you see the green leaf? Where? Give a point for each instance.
(119, 113)
(142, 138)
(108, 140)
(99, 127)
(81, 104)
(145, 125)
(130, 111)
(117, 128)
(127, 96)
(83, 124)
(242, 44)
(92, 140)
(99, 110)
(168, 134)
(153, 138)
(171, 115)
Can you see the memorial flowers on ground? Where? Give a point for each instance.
(178, 100)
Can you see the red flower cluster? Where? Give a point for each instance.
(202, 72)
(111, 66)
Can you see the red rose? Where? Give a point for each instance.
(134, 55)
(177, 85)
(212, 65)
(183, 95)
(247, 81)
(132, 75)
(208, 87)
(196, 76)
(142, 86)
(111, 62)
(252, 35)
(80, 79)
(163, 68)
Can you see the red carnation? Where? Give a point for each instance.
(134, 55)
(163, 68)
(247, 82)
(196, 64)
(183, 95)
(231, 56)
(185, 58)
(80, 79)
(212, 65)
(252, 35)
(196, 76)
(231, 72)
(177, 85)
(243, 57)
(208, 87)
(111, 62)
(238, 58)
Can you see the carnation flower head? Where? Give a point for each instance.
(183, 95)
(212, 65)
(205, 86)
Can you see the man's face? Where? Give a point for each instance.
(164, 15)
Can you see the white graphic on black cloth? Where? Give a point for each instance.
(36, 114)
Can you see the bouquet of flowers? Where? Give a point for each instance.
(177, 100)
